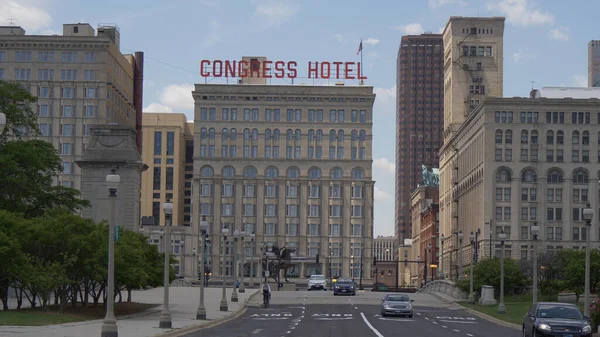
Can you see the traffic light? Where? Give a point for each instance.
(317, 258)
(375, 260)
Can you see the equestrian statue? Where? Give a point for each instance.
(281, 261)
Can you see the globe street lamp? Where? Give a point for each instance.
(109, 325)
(471, 295)
(2, 122)
(165, 316)
(243, 268)
(223, 305)
(501, 306)
(588, 213)
(535, 229)
(201, 311)
(460, 242)
(253, 247)
(234, 295)
(441, 270)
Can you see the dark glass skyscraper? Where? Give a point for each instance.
(419, 118)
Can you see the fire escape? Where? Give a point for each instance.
(470, 60)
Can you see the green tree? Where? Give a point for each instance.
(487, 272)
(16, 103)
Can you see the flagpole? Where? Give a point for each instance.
(361, 63)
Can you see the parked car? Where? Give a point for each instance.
(317, 282)
(344, 286)
(556, 319)
(397, 305)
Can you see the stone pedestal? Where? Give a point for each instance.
(567, 297)
(487, 296)
(112, 146)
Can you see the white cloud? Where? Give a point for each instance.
(521, 12)
(385, 165)
(157, 107)
(434, 4)
(272, 12)
(559, 34)
(371, 41)
(385, 95)
(520, 55)
(26, 13)
(411, 29)
(339, 37)
(178, 96)
(381, 195)
(580, 81)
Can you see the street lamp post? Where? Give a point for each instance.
(223, 305)
(109, 325)
(501, 306)
(588, 213)
(243, 265)
(535, 229)
(442, 239)
(234, 294)
(460, 263)
(252, 268)
(165, 315)
(201, 311)
(419, 284)
(471, 295)
(352, 257)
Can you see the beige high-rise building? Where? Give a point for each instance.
(81, 78)
(594, 63)
(473, 70)
(383, 248)
(168, 150)
(291, 164)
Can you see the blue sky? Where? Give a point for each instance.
(545, 41)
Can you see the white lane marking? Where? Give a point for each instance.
(356, 308)
(396, 319)
(469, 335)
(418, 313)
(377, 333)
(445, 327)
(455, 330)
(288, 331)
(434, 322)
(427, 318)
(256, 331)
(458, 322)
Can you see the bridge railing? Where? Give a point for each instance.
(445, 287)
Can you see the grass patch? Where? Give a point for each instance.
(516, 308)
(37, 317)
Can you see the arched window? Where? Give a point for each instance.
(498, 136)
(293, 172)
(206, 172)
(246, 134)
(319, 135)
(271, 172)
(233, 134)
(336, 173)
(503, 176)
(268, 134)
(550, 137)
(254, 134)
(358, 173)
(363, 135)
(276, 134)
(354, 135)
(524, 137)
(575, 137)
(508, 137)
(298, 134)
(228, 172)
(534, 137)
(341, 135)
(225, 133)
(580, 177)
(554, 177)
(250, 172)
(585, 138)
(332, 135)
(311, 135)
(211, 133)
(528, 176)
(290, 134)
(560, 137)
(314, 173)
(203, 133)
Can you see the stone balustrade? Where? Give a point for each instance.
(445, 287)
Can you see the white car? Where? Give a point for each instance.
(317, 282)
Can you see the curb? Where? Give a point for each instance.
(197, 327)
(479, 314)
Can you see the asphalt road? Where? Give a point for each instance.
(322, 315)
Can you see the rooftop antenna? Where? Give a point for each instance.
(532, 82)
(11, 21)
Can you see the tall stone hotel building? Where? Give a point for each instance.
(419, 118)
(81, 79)
(291, 164)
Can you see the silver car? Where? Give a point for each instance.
(396, 305)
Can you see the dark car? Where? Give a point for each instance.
(396, 305)
(546, 319)
(344, 287)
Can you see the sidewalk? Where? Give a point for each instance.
(183, 304)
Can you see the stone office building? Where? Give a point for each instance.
(291, 164)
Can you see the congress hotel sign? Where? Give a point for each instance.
(281, 69)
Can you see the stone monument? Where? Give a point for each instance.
(112, 146)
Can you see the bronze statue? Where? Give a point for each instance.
(282, 261)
